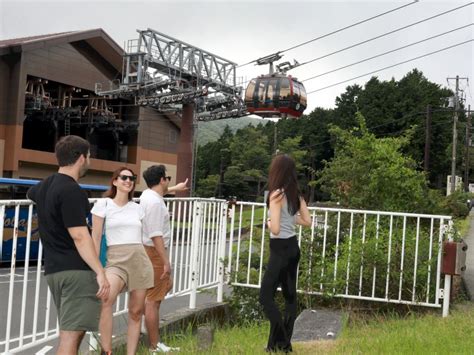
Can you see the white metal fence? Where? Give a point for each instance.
(196, 253)
(367, 255)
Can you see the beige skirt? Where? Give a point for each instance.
(130, 262)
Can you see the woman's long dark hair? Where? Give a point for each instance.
(112, 191)
(282, 175)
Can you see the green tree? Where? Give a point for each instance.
(211, 156)
(234, 182)
(250, 149)
(207, 186)
(372, 173)
(392, 107)
(291, 146)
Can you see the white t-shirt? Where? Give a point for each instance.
(157, 218)
(123, 225)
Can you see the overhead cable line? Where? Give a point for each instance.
(384, 34)
(339, 30)
(377, 37)
(391, 66)
(387, 123)
(388, 52)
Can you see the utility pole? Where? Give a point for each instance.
(275, 150)
(468, 142)
(455, 133)
(426, 165)
(455, 137)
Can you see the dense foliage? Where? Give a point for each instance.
(367, 152)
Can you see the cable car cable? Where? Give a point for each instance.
(390, 66)
(388, 52)
(377, 37)
(339, 30)
(383, 35)
(387, 123)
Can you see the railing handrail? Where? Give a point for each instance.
(206, 270)
(351, 210)
(335, 243)
(8, 203)
(199, 243)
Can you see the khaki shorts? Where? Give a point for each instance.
(131, 264)
(161, 287)
(74, 294)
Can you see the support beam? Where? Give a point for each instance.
(185, 148)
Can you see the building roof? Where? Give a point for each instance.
(96, 38)
(18, 41)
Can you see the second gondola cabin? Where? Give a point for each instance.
(276, 95)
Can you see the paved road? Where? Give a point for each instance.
(45, 314)
(120, 322)
(469, 273)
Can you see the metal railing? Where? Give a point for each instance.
(357, 254)
(196, 254)
(367, 255)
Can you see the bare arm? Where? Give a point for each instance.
(179, 187)
(160, 249)
(85, 247)
(97, 231)
(276, 201)
(303, 218)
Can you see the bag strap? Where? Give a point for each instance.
(105, 215)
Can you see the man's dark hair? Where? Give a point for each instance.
(153, 175)
(70, 148)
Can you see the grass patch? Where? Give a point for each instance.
(247, 217)
(239, 340)
(426, 333)
(413, 334)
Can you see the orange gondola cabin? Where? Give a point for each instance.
(276, 95)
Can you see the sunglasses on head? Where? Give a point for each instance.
(168, 178)
(132, 178)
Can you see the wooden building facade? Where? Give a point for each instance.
(47, 90)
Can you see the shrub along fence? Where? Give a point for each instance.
(368, 255)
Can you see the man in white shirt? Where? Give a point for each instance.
(156, 238)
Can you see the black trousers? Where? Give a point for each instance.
(281, 271)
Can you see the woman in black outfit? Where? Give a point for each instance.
(287, 208)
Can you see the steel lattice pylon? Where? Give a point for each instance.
(163, 72)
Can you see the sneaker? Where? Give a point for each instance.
(162, 348)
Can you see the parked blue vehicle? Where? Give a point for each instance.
(16, 189)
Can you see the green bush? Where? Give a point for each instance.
(456, 204)
(355, 262)
(362, 265)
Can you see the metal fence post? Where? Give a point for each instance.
(447, 278)
(93, 344)
(195, 237)
(221, 254)
(231, 240)
(12, 278)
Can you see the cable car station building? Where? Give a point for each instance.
(47, 90)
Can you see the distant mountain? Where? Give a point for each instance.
(212, 130)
